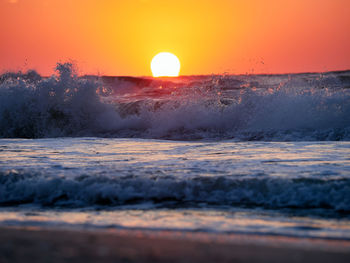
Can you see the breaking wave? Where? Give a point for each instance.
(265, 107)
(19, 187)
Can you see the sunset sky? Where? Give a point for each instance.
(112, 37)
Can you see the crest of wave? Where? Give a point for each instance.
(62, 105)
(295, 110)
(68, 105)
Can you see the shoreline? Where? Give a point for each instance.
(37, 244)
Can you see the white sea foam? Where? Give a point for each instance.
(276, 107)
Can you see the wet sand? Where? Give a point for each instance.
(64, 245)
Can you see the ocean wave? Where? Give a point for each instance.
(19, 187)
(275, 107)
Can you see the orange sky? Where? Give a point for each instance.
(120, 37)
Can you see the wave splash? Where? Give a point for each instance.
(274, 107)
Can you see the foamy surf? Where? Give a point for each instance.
(258, 107)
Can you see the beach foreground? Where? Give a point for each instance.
(65, 245)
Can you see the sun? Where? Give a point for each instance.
(165, 64)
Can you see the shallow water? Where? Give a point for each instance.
(285, 188)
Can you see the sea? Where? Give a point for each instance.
(221, 154)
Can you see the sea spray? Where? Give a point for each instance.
(256, 107)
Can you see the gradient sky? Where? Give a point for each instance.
(120, 37)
